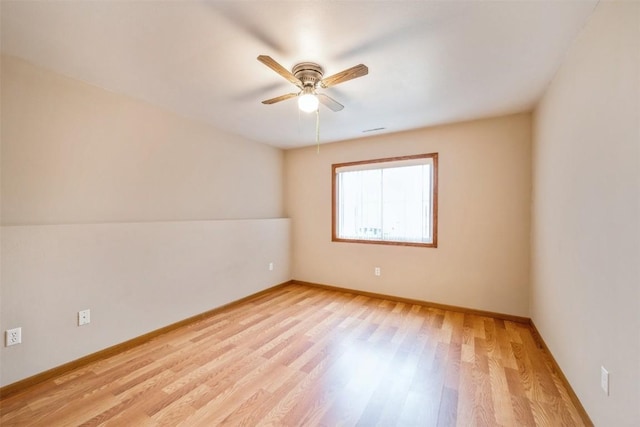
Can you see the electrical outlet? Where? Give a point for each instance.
(376, 271)
(84, 317)
(604, 380)
(13, 337)
(270, 266)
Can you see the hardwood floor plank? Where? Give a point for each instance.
(500, 394)
(447, 413)
(257, 415)
(347, 408)
(301, 355)
(522, 411)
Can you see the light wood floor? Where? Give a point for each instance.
(305, 356)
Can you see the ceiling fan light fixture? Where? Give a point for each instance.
(308, 76)
(308, 101)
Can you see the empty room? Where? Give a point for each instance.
(320, 213)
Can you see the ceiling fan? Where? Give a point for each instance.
(307, 76)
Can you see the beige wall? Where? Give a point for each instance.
(74, 153)
(134, 277)
(585, 297)
(114, 205)
(482, 259)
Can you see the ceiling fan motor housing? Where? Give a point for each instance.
(308, 73)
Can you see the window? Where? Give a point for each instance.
(386, 201)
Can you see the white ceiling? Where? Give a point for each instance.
(430, 62)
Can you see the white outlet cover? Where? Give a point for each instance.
(84, 317)
(13, 337)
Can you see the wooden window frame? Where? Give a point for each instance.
(434, 224)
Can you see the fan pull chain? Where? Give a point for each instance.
(318, 130)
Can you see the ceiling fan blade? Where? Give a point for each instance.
(280, 98)
(271, 63)
(329, 102)
(343, 76)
